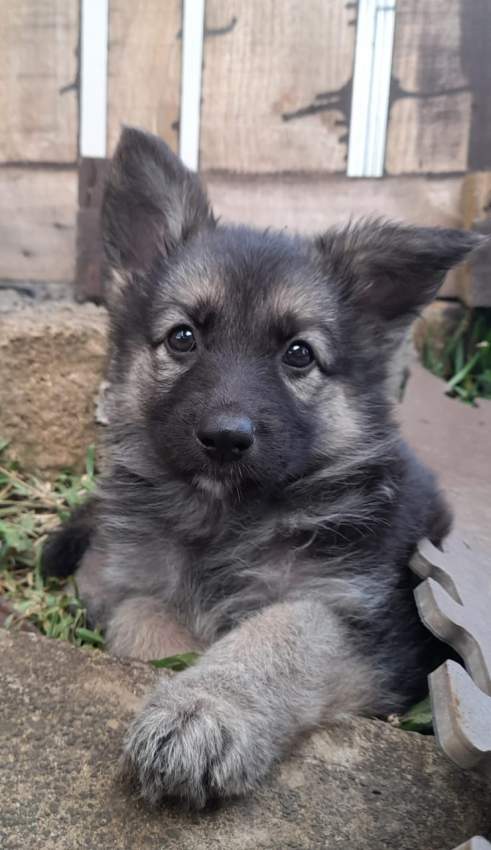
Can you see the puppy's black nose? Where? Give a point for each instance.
(225, 436)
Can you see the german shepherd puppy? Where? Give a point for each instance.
(258, 503)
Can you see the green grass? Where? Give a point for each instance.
(465, 361)
(418, 718)
(29, 509)
(176, 662)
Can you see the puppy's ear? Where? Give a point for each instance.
(390, 270)
(152, 202)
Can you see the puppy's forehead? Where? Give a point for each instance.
(261, 281)
(301, 295)
(196, 281)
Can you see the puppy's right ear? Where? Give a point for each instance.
(152, 202)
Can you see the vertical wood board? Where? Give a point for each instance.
(92, 178)
(431, 97)
(429, 135)
(144, 68)
(475, 47)
(38, 80)
(276, 85)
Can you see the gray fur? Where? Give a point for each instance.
(216, 730)
(288, 567)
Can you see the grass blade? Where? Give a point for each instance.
(176, 662)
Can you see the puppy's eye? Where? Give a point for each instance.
(298, 354)
(181, 339)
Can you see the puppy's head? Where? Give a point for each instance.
(243, 358)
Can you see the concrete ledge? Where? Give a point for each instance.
(51, 363)
(64, 711)
(454, 439)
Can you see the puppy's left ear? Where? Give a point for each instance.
(388, 270)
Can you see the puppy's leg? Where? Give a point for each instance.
(141, 628)
(216, 729)
(136, 627)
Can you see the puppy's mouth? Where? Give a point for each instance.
(223, 479)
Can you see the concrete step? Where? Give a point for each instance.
(64, 711)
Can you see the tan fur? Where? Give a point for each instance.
(344, 424)
(294, 299)
(140, 628)
(90, 583)
(117, 283)
(197, 286)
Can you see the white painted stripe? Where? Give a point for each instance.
(93, 77)
(193, 18)
(371, 87)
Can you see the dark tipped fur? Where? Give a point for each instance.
(65, 548)
(289, 563)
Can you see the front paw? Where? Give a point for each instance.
(195, 745)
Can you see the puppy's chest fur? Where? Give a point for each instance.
(250, 559)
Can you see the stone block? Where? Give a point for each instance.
(51, 364)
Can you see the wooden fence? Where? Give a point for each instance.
(276, 95)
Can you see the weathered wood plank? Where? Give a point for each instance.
(476, 197)
(310, 204)
(428, 136)
(37, 223)
(431, 100)
(144, 72)
(88, 276)
(475, 278)
(276, 85)
(38, 68)
(475, 41)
